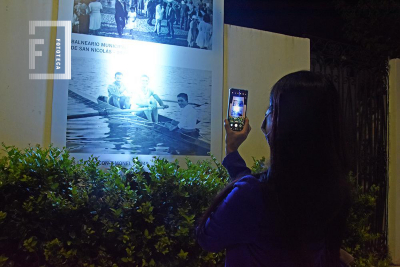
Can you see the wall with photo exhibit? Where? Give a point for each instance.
(253, 61)
(137, 89)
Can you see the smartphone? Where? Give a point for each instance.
(237, 107)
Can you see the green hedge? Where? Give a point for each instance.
(58, 212)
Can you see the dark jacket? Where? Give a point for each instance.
(120, 10)
(170, 14)
(184, 10)
(151, 7)
(246, 226)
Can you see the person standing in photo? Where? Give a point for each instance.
(120, 16)
(145, 8)
(193, 31)
(82, 10)
(131, 21)
(159, 17)
(201, 7)
(75, 22)
(190, 5)
(209, 12)
(151, 10)
(95, 16)
(203, 39)
(140, 7)
(183, 12)
(191, 12)
(170, 16)
(177, 8)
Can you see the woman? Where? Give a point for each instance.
(82, 11)
(203, 39)
(95, 16)
(294, 214)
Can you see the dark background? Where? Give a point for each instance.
(369, 23)
(312, 17)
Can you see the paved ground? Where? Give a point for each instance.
(142, 31)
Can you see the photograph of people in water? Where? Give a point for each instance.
(154, 111)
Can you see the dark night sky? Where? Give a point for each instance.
(311, 17)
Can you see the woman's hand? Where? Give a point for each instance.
(233, 139)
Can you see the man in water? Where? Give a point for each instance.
(187, 119)
(117, 93)
(146, 98)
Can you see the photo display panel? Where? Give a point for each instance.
(145, 78)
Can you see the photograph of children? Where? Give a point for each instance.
(176, 22)
(116, 109)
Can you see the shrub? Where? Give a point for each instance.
(57, 212)
(359, 238)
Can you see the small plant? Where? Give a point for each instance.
(359, 238)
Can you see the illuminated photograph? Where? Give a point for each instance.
(176, 22)
(157, 110)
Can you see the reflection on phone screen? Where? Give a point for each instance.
(237, 108)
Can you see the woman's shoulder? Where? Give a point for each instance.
(248, 185)
(249, 180)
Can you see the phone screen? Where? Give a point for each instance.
(237, 106)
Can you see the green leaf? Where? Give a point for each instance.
(3, 260)
(54, 186)
(146, 234)
(3, 215)
(182, 254)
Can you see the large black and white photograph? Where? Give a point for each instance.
(117, 109)
(186, 23)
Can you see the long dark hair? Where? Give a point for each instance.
(308, 163)
(305, 187)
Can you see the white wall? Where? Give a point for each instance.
(25, 110)
(394, 160)
(255, 60)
